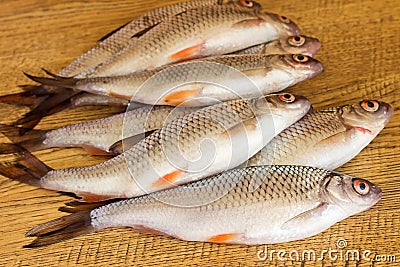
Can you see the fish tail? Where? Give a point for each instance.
(27, 169)
(52, 104)
(32, 141)
(23, 99)
(66, 82)
(61, 229)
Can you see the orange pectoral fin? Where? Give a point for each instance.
(248, 23)
(186, 53)
(167, 179)
(223, 238)
(177, 98)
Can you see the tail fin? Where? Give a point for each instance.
(49, 106)
(32, 141)
(54, 81)
(43, 100)
(61, 229)
(21, 99)
(122, 145)
(27, 169)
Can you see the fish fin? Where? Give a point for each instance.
(245, 126)
(77, 206)
(55, 81)
(248, 23)
(167, 179)
(223, 238)
(21, 99)
(117, 95)
(112, 32)
(306, 218)
(94, 151)
(189, 52)
(28, 169)
(48, 106)
(177, 98)
(89, 197)
(31, 141)
(50, 73)
(61, 229)
(256, 72)
(147, 230)
(126, 143)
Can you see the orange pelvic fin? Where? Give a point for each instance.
(223, 238)
(177, 98)
(89, 197)
(117, 95)
(186, 53)
(167, 179)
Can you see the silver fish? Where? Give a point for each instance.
(198, 32)
(116, 41)
(98, 137)
(202, 82)
(327, 138)
(253, 205)
(202, 143)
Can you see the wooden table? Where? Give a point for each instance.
(361, 57)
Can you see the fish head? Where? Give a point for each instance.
(300, 67)
(350, 193)
(369, 116)
(282, 105)
(300, 44)
(283, 25)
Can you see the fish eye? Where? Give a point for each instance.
(370, 105)
(286, 97)
(361, 186)
(300, 58)
(296, 40)
(284, 19)
(247, 3)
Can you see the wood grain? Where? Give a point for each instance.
(361, 57)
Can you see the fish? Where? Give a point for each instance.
(201, 82)
(121, 37)
(195, 33)
(300, 44)
(327, 138)
(304, 45)
(249, 206)
(189, 148)
(56, 99)
(103, 136)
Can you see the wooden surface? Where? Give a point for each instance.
(360, 53)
